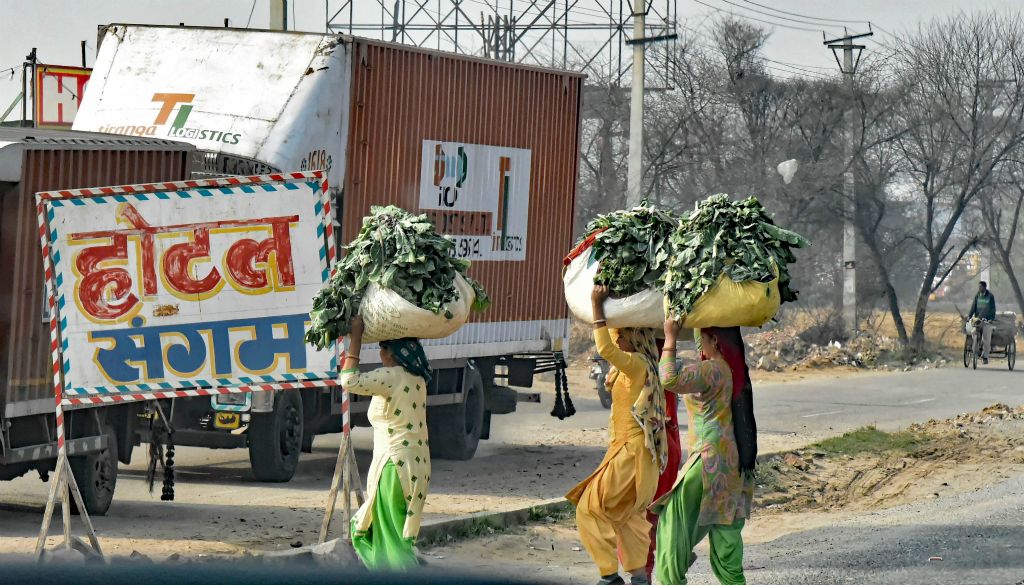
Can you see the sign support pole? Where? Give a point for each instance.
(346, 471)
(63, 480)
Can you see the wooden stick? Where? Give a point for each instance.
(346, 477)
(65, 508)
(332, 496)
(51, 500)
(360, 494)
(82, 513)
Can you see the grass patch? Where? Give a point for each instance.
(471, 530)
(551, 513)
(766, 477)
(870, 440)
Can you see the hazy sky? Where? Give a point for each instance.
(57, 27)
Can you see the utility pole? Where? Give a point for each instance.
(28, 66)
(848, 66)
(635, 170)
(278, 14)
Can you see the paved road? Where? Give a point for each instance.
(979, 536)
(820, 407)
(890, 401)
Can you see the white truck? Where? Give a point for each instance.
(488, 149)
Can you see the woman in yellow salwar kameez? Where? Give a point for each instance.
(611, 504)
(385, 527)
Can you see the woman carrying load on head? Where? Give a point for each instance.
(671, 470)
(713, 493)
(385, 527)
(611, 504)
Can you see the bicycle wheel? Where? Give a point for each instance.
(967, 352)
(1011, 354)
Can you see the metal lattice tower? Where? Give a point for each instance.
(583, 35)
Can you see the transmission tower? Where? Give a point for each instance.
(591, 36)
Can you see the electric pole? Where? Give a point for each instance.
(848, 66)
(635, 170)
(278, 14)
(28, 69)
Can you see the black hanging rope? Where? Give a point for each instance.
(564, 407)
(570, 409)
(158, 436)
(168, 492)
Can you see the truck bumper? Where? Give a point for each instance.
(208, 439)
(75, 447)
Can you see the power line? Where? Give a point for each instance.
(882, 30)
(754, 10)
(797, 68)
(67, 89)
(805, 15)
(801, 65)
(722, 10)
(251, 11)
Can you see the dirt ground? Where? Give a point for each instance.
(800, 490)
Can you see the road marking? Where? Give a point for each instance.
(921, 401)
(820, 414)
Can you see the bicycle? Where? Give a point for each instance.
(1003, 343)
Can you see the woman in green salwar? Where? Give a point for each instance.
(385, 527)
(712, 496)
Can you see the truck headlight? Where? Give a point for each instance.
(232, 399)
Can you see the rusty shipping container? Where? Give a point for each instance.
(33, 160)
(403, 99)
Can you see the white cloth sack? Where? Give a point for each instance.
(787, 169)
(387, 315)
(644, 309)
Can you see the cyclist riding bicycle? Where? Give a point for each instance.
(984, 308)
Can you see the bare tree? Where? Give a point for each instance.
(959, 132)
(999, 209)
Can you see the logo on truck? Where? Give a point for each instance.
(478, 195)
(179, 104)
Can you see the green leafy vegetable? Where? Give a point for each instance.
(395, 250)
(737, 238)
(633, 249)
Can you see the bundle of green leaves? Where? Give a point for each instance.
(633, 249)
(394, 250)
(737, 238)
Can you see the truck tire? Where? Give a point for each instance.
(455, 430)
(96, 476)
(275, 439)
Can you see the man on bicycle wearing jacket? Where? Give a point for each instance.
(984, 308)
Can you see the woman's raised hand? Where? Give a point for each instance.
(672, 328)
(356, 326)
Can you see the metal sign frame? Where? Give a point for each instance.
(133, 392)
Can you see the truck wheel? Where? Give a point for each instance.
(275, 439)
(96, 476)
(455, 430)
